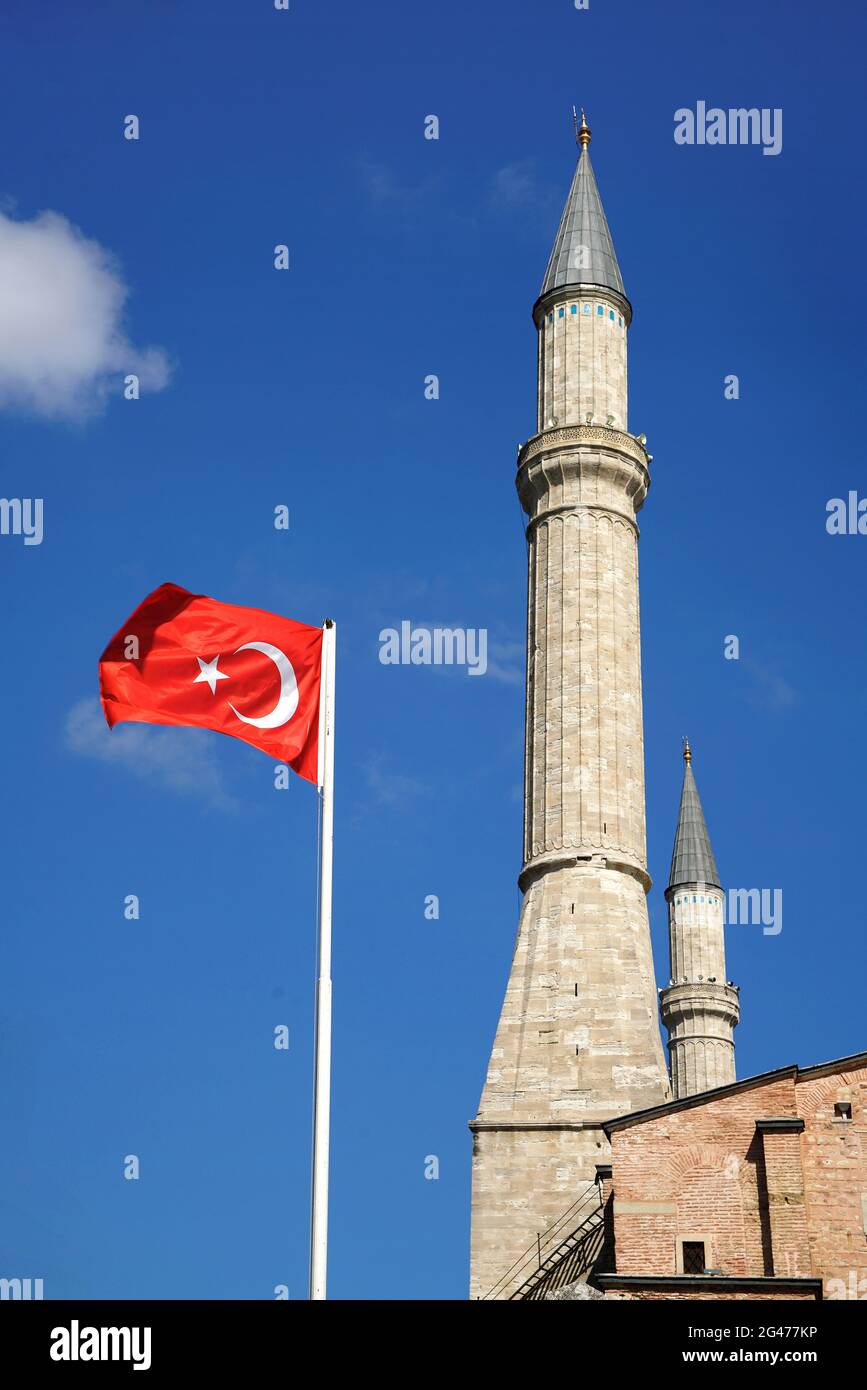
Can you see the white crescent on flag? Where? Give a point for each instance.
(288, 701)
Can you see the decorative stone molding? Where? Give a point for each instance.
(543, 863)
(561, 437)
(583, 468)
(528, 1126)
(679, 1000)
(616, 518)
(567, 294)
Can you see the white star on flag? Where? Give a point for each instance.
(208, 672)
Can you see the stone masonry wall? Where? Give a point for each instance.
(582, 363)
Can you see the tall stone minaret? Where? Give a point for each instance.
(700, 1008)
(578, 1039)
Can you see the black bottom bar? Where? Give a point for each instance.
(164, 1339)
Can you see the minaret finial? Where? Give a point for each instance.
(687, 752)
(582, 132)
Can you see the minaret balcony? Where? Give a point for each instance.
(561, 436)
(588, 465)
(682, 1000)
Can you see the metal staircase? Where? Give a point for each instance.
(574, 1256)
(572, 1246)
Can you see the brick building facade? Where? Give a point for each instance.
(754, 1190)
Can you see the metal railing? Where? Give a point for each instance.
(572, 1261)
(547, 1243)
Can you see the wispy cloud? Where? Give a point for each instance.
(769, 688)
(515, 185)
(506, 661)
(183, 760)
(62, 338)
(402, 203)
(381, 185)
(392, 789)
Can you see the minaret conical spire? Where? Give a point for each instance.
(583, 252)
(692, 860)
(700, 1007)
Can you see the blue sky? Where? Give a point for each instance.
(305, 388)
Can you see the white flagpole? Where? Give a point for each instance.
(322, 1092)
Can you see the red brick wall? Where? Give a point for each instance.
(835, 1179)
(784, 1177)
(705, 1172)
(704, 1163)
(722, 1218)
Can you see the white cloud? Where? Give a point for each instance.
(515, 185)
(181, 759)
(769, 689)
(506, 662)
(391, 788)
(61, 333)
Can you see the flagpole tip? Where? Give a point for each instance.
(329, 622)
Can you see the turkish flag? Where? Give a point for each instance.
(182, 658)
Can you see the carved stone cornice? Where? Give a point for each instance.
(592, 858)
(583, 466)
(564, 294)
(562, 436)
(680, 1001)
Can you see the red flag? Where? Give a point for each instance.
(182, 658)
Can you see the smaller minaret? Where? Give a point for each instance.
(700, 1008)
